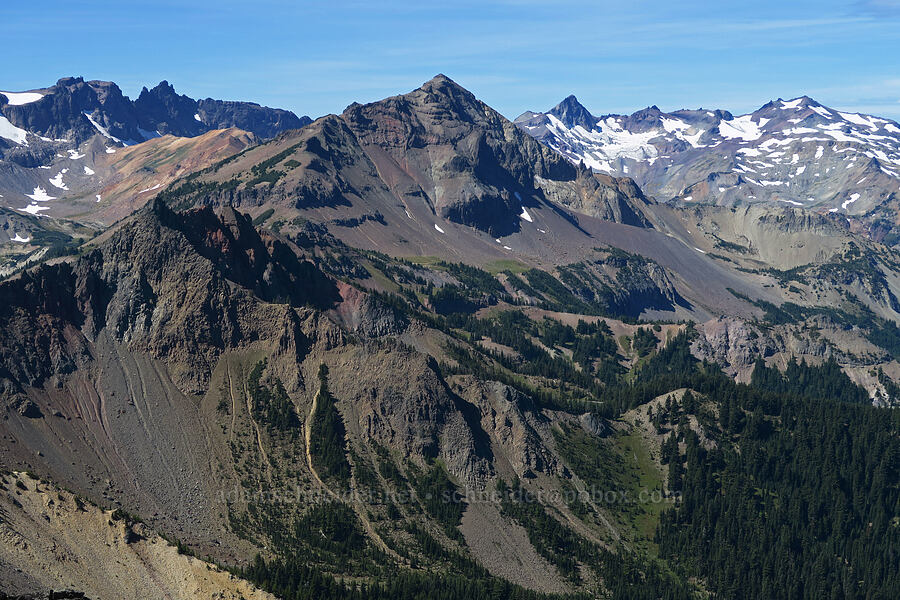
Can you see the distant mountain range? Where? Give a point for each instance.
(796, 152)
(62, 149)
(74, 110)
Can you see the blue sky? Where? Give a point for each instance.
(316, 57)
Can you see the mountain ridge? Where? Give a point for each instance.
(76, 110)
(785, 151)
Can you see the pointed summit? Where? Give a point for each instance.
(442, 83)
(572, 113)
(439, 79)
(442, 86)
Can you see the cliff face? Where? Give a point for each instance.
(616, 199)
(182, 288)
(73, 108)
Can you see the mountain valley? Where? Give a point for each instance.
(417, 350)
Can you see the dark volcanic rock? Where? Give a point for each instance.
(63, 111)
(29, 409)
(163, 110)
(60, 113)
(261, 120)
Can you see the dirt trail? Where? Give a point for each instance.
(256, 428)
(233, 402)
(355, 503)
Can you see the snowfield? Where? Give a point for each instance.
(20, 98)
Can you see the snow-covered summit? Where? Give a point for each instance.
(795, 151)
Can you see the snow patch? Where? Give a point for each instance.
(19, 238)
(74, 154)
(859, 120)
(34, 209)
(58, 180)
(525, 215)
(98, 197)
(20, 98)
(438, 229)
(846, 203)
(679, 129)
(742, 128)
(767, 145)
(197, 117)
(150, 189)
(12, 133)
(611, 141)
(40, 195)
(149, 135)
(799, 131)
(88, 170)
(103, 131)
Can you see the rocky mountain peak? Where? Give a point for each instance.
(69, 81)
(162, 109)
(73, 111)
(572, 113)
(645, 117)
(441, 82)
(470, 160)
(443, 91)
